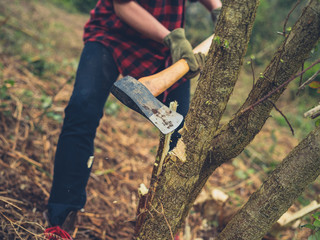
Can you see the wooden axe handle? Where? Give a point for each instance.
(161, 81)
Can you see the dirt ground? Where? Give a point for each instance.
(125, 146)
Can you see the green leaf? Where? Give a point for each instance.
(310, 226)
(315, 236)
(312, 237)
(10, 82)
(317, 123)
(316, 223)
(316, 215)
(226, 44)
(217, 40)
(314, 84)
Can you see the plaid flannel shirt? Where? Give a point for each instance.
(134, 54)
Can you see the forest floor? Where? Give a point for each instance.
(38, 60)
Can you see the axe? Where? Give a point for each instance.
(140, 95)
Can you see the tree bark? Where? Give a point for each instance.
(276, 195)
(203, 146)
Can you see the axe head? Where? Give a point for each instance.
(136, 96)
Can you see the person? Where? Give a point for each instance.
(128, 37)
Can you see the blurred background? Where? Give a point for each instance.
(40, 45)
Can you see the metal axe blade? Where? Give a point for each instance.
(139, 95)
(136, 96)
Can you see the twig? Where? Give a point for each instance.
(291, 128)
(290, 217)
(287, 18)
(6, 200)
(20, 155)
(309, 80)
(165, 218)
(14, 223)
(301, 77)
(278, 88)
(313, 113)
(286, 39)
(252, 69)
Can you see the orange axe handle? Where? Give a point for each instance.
(161, 81)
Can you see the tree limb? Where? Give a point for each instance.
(300, 168)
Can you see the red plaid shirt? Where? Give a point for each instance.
(134, 54)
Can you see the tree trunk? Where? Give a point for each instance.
(276, 195)
(203, 146)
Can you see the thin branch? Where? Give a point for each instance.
(313, 113)
(286, 37)
(287, 18)
(301, 77)
(309, 80)
(252, 69)
(165, 218)
(280, 87)
(19, 226)
(291, 128)
(167, 221)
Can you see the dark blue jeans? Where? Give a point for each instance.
(96, 74)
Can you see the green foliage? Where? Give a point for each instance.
(55, 116)
(46, 101)
(83, 6)
(315, 227)
(270, 19)
(4, 94)
(217, 40)
(315, 85)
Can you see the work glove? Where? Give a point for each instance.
(214, 16)
(180, 48)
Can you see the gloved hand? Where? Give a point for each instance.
(180, 48)
(214, 16)
(201, 59)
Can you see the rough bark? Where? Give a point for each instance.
(276, 195)
(203, 146)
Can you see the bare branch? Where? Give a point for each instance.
(309, 80)
(287, 18)
(291, 128)
(313, 113)
(252, 69)
(279, 88)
